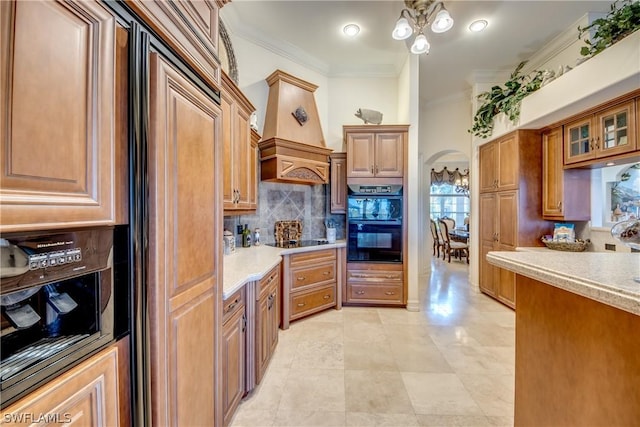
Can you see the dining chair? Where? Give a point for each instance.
(451, 223)
(458, 249)
(437, 242)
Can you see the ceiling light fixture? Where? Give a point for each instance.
(478, 25)
(416, 17)
(351, 30)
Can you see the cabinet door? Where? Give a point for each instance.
(488, 159)
(56, 115)
(488, 237)
(506, 287)
(274, 317)
(87, 395)
(263, 334)
(228, 153)
(616, 132)
(360, 155)
(233, 363)
(552, 173)
(338, 183)
(184, 238)
(507, 231)
(578, 141)
(508, 162)
(389, 155)
(242, 157)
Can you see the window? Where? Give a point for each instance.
(445, 201)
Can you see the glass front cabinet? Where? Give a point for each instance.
(606, 133)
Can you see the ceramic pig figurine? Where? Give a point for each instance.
(369, 116)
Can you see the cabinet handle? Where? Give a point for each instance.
(591, 144)
(326, 273)
(244, 322)
(598, 142)
(389, 293)
(560, 206)
(232, 305)
(372, 169)
(300, 304)
(376, 169)
(360, 292)
(391, 276)
(301, 278)
(326, 297)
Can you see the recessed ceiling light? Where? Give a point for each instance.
(351, 30)
(478, 25)
(611, 164)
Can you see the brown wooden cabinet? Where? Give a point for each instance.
(310, 283)
(86, 395)
(565, 193)
(240, 151)
(606, 132)
(375, 284)
(510, 206)
(375, 150)
(184, 249)
(234, 325)
(267, 318)
(498, 170)
(57, 115)
(338, 183)
(188, 26)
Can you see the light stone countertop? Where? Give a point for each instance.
(250, 264)
(603, 277)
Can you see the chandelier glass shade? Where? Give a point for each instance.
(415, 17)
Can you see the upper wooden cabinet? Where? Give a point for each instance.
(338, 183)
(240, 150)
(604, 133)
(57, 115)
(188, 26)
(375, 150)
(500, 161)
(565, 194)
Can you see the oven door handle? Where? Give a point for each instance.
(381, 222)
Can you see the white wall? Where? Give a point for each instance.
(337, 99)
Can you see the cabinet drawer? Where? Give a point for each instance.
(303, 303)
(232, 305)
(373, 293)
(370, 276)
(313, 256)
(301, 277)
(265, 283)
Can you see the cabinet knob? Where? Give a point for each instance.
(301, 278)
(326, 273)
(389, 293)
(326, 297)
(300, 304)
(360, 292)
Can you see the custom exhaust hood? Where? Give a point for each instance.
(292, 147)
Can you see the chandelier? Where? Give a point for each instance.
(416, 17)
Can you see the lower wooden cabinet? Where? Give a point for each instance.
(375, 284)
(234, 326)
(310, 283)
(267, 319)
(87, 395)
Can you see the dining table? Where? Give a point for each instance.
(459, 235)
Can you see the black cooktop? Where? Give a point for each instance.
(298, 243)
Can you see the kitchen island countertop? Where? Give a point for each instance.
(250, 264)
(603, 277)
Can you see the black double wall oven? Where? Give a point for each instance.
(374, 223)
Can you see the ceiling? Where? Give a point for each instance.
(310, 32)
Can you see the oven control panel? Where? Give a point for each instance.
(53, 259)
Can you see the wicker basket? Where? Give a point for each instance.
(577, 246)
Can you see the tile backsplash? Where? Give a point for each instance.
(282, 202)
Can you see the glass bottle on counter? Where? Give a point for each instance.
(246, 236)
(256, 237)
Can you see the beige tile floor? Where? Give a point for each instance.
(451, 364)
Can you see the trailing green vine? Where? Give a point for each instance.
(505, 100)
(622, 20)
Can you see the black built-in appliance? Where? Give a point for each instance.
(57, 298)
(374, 223)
